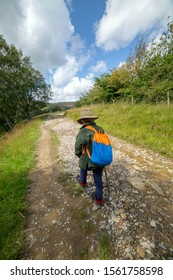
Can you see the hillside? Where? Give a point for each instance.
(148, 126)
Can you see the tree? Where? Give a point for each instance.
(22, 87)
(146, 75)
(9, 60)
(158, 70)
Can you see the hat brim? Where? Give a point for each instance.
(87, 117)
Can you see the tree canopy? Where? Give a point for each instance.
(23, 90)
(146, 75)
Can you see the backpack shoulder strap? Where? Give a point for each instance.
(91, 128)
(94, 130)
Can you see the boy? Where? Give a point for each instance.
(83, 140)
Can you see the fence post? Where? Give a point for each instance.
(132, 100)
(168, 98)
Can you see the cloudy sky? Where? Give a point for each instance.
(73, 41)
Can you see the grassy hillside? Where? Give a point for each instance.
(16, 159)
(148, 126)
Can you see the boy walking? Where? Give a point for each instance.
(83, 141)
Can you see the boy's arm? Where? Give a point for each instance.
(79, 144)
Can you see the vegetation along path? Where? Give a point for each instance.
(64, 223)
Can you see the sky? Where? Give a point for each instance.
(73, 41)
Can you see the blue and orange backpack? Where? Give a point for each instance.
(101, 148)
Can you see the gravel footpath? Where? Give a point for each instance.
(138, 215)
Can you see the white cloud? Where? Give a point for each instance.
(123, 20)
(66, 72)
(65, 83)
(44, 32)
(73, 89)
(121, 64)
(100, 67)
(40, 28)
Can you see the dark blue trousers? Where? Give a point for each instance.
(97, 175)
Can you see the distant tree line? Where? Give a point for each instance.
(146, 75)
(23, 90)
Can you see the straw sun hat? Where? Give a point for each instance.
(86, 114)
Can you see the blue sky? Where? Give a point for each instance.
(73, 41)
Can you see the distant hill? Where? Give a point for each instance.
(69, 104)
(59, 106)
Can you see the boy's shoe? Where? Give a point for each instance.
(78, 180)
(99, 202)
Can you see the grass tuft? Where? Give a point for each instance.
(104, 246)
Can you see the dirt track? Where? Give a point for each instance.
(138, 217)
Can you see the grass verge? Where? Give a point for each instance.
(146, 125)
(16, 159)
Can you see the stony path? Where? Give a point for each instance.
(138, 216)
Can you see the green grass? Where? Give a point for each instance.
(71, 187)
(79, 213)
(16, 159)
(104, 246)
(148, 126)
(54, 141)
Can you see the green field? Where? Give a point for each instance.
(148, 126)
